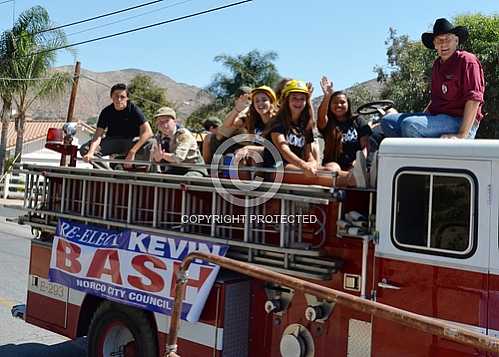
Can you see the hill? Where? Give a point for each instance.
(93, 94)
(372, 87)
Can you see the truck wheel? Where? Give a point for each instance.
(120, 330)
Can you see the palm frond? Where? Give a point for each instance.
(51, 88)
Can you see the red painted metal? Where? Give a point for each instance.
(448, 294)
(422, 323)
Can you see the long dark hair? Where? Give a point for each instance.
(333, 146)
(330, 114)
(305, 122)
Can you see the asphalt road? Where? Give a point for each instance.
(17, 338)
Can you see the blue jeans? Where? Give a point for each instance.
(423, 125)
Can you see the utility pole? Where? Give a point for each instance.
(74, 90)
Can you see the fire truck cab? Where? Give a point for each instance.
(426, 240)
(438, 248)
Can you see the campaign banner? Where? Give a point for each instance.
(132, 267)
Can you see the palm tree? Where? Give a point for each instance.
(28, 50)
(6, 90)
(252, 69)
(5, 116)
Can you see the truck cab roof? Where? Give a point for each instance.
(448, 148)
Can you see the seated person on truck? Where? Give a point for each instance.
(122, 122)
(292, 135)
(210, 126)
(457, 89)
(258, 117)
(176, 145)
(278, 91)
(344, 133)
(225, 131)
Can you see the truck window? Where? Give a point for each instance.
(434, 212)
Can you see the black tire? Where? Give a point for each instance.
(120, 321)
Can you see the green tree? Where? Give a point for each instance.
(359, 95)
(484, 42)
(27, 52)
(92, 121)
(215, 109)
(408, 74)
(147, 95)
(252, 69)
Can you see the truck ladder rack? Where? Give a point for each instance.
(162, 204)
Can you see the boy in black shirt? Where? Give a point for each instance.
(124, 122)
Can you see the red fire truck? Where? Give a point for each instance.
(426, 240)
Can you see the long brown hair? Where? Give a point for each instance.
(252, 117)
(305, 122)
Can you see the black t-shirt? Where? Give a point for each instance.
(123, 123)
(351, 132)
(259, 126)
(297, 139)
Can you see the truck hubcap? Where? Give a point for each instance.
(117, 341)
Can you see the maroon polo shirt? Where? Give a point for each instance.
(454, 82)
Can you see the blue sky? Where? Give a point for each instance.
(342, 39)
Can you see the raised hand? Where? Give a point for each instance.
(326, 85)
(310, 88)
(242, 102)
(157, 154)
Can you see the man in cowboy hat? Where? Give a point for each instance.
(457, 87)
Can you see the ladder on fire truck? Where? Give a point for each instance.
(161, 204)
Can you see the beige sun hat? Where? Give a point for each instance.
(165, 111)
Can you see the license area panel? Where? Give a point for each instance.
(47, 301)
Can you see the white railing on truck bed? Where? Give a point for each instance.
(156, 203)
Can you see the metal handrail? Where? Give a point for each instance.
(208, 166)
(189, 186)
(57, 171)
(423, 323)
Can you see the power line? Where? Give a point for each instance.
(109, 87)
(128, 18)
(98, 17)
(6, 1)
(85, 20)
(141, 28)
(24, 79)
(81, 76)
(132, 30)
